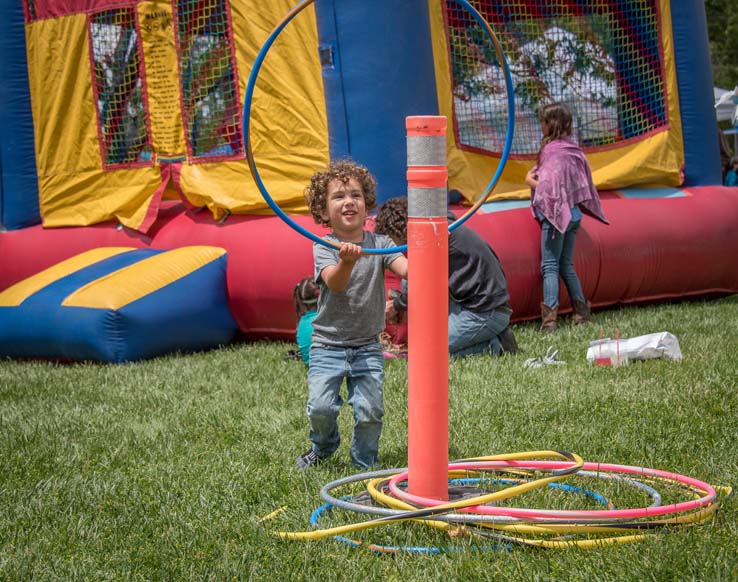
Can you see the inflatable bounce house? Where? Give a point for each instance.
(131, 225)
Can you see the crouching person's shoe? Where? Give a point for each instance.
(508, 341)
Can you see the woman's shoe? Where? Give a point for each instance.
(548, 317)
(582, 311)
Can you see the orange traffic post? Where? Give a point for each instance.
(427, 242)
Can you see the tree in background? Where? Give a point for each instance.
(722, 27)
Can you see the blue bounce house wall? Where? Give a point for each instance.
(388, 42)
(694, 77)
(18, 182)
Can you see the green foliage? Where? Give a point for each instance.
(722, 28)
(163, 469)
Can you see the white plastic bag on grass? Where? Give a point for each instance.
(642, 347)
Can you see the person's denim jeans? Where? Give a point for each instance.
(557, 259)
(363, 368)
(475, 333)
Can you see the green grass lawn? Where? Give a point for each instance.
(162, 469)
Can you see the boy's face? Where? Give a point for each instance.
(345, 208)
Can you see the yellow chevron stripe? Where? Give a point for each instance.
(22, 290)
(130, 283)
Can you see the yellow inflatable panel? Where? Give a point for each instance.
(124, 99)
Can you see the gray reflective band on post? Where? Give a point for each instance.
(426, 202)
(426, 150)
(426, 167)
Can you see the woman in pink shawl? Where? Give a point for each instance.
(562, 189)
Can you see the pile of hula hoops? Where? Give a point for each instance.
(480, 504)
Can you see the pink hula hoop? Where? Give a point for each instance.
(709, 496)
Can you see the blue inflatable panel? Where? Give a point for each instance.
(18, 181)
(377, 69)
(694, 77)
(119, 304)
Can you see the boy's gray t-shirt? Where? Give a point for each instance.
(355, 316)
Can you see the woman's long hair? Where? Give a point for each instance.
(557, 120)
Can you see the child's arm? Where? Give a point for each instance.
(399, 267)
(337, 276)
(531, 178)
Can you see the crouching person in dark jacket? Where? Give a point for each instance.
(479, 309)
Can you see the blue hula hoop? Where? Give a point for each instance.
(379, 549)
(254, 75)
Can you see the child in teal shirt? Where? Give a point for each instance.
(305, 295)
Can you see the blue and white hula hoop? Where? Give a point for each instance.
(250, 153)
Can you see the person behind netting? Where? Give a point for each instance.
(305, 296)
(350, 315)
(479, 310)
(562, 188)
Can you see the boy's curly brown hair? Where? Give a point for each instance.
(343, 170)
(392, 219)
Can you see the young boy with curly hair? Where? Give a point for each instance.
(350, 315)
(479, 310)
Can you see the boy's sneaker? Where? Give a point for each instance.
(309, 459)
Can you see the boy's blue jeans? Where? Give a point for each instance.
(363, 368)
(474, 333)
(557, 259)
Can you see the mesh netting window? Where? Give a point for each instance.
(600, 57)
(119, 88)
(211, 111)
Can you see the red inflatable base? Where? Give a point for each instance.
(654, 249)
